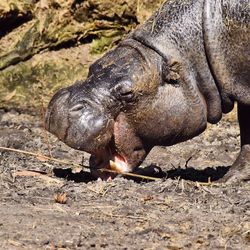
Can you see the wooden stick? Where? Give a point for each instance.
(42, 156)
(131, 174)
(78, 165)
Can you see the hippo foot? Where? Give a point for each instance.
(240, 170)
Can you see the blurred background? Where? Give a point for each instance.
(47, 44)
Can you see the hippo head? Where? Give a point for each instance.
(132, 100)
(99, 115)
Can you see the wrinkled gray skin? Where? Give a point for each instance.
(184, 67)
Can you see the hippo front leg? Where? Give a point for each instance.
(240, 170)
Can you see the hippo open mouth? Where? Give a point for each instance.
(108, 158)
(123, 153)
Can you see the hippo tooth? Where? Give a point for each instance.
(119, 166)
(114, 166)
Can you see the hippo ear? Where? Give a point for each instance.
(123, 91)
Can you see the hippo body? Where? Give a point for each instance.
(183, 68)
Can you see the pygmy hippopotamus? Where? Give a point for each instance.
(181, 69)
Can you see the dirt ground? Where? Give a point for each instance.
(50, 205)
(176, 212)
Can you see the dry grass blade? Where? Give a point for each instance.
(126, 216)
(34, 173)
(41, 156)
(131, 175)
(28, 173)
(9, 96)
(38, 155)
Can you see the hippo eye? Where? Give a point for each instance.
(123, 91)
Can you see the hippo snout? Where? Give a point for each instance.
(78, 120)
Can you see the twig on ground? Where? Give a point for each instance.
(209, 183)
(182, 186)
(125, 216)
(131, 175)
(34, 173)
(177, 184)
(93, 190)
(187, 161)
(41, 156)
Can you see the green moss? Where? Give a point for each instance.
(28, 79)
(35, 81)
(98, 46)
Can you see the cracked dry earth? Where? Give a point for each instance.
(47, 205)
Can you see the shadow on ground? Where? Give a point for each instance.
(188, 173)
(66, 173)
(193, 174)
